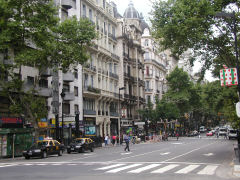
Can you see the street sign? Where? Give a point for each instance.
(228, 77)
(238, 109)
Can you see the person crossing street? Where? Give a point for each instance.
(126, 139)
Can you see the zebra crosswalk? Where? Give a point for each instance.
(130, 167)
(158, 168)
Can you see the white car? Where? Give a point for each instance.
(232, 134)
(222, 132)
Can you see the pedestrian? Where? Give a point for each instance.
(126, 139)
(177, 135)
(106, 140)
(113, 140)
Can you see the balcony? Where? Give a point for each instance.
(115, 56)
(45, 92)
(126, 96)
(90, 67)
(148, 90)
(114, 114)
(89, 112)
(92, 90)
(67, 4)
(46, 73)
(69, 77)
(69, 96)
(125, 55)
(113, 75)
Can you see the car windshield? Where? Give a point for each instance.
(42, 143)
(79, 141)
(224, 130)
(233, 131)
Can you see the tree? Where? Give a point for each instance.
(192, 24)
(32, 35)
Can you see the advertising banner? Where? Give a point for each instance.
(228, 77)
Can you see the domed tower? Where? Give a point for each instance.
(131, 12)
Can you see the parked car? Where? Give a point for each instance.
(81, 145)
(210, 133)
(44, 148)
(232, 134)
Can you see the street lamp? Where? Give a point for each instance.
(62, 96)
(77, 123)
(119, 119)
(233, 17)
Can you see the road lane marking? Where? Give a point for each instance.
(109, 167)
(166, 168)
(123, 168)
(209, 154)
(166, 153)
(187, 169)
(208, 170)
(126, 153)
(189, 152)
(144, 168)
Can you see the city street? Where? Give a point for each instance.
(189, 158)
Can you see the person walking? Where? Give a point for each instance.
(113, 140)
(106, 140)
(126, 139)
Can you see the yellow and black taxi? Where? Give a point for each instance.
(81, 145)
(43, 148)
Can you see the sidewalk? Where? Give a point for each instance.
(236, 166)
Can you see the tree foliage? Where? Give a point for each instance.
(32, 35)
(192, 24)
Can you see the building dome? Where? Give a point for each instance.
(131, 12)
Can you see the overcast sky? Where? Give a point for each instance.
(142, 6)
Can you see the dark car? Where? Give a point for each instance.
(81, 145)
(44, 148)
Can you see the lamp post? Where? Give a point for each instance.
(119, 119)
(62, 96)
(233, 17)
(77, 123)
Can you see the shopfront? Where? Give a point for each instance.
(114, 126)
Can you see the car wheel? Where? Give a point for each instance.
(92, 149)
(44, 154)
(27, 157)
(60, 153)
(69, 151)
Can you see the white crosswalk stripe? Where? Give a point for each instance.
(123, 168)
(109, 167)
(165, 169)
(187, 169)
(208, 170)
(144, 168)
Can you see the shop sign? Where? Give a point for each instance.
(11, 122)
(90, 130)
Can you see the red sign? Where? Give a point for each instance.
(11, 120)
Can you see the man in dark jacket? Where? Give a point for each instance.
(126, 139)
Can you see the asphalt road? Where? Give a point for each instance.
(186, 159)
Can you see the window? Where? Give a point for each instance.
(76, 73)
(30, 80)
(90, 14)
(124, 48)
(75, 91)
(66, 87)
(84, 11)
(113, 31)
(43, 83)
(85, 80)
(146, 42)
(66, 108)
(64, 14)
(146, 55)
(148, 99)
(147, 70)
(147, 85)
(91, 80)
(110, 67)
(76, 108)
(88, 104)
(104, 4)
